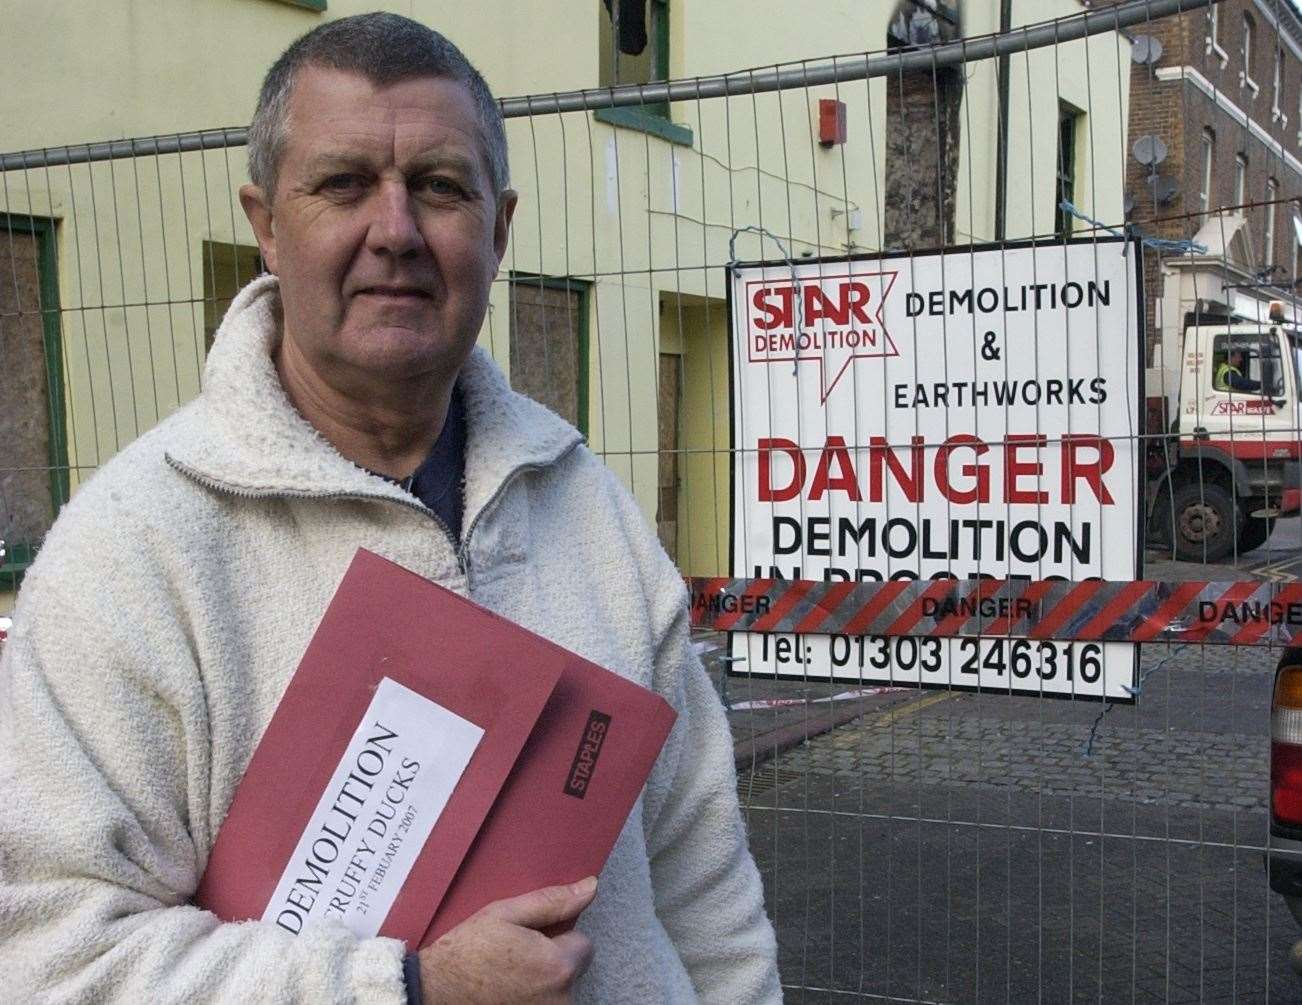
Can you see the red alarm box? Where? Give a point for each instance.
(831, 121)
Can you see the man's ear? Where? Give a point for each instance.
(502, 225)
(257, 207)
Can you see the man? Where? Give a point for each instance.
(1229, 375)
(345, 405)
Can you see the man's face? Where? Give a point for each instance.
(385, 228)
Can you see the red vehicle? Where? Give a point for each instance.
(1284, 849)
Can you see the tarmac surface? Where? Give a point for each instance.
(933, 845)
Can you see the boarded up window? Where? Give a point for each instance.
(547, 350)
(227, 268)
(33, 473)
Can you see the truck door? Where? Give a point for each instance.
(1293, 351)
(1250, 399)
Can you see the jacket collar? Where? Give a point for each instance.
(245, 436)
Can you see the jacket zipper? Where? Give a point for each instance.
(460, 552)
(463, 553)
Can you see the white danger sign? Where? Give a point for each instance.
(966, 415)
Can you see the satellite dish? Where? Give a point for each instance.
(1146, 49)
(1149, 150)
(1164, 188)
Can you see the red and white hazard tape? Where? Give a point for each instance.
(1251, 612)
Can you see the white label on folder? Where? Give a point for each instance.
(373, 818)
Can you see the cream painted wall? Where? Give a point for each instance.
(1092, 74)
(643, 217)
(79, 72)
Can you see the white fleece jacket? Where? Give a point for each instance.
(170, 605)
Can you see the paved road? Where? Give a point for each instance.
(979, 848)
(1280, 558)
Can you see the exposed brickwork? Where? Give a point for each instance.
(1180, 113)
(922, 143)
(922, 137)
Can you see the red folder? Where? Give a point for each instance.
(386, 622)
(566, 800)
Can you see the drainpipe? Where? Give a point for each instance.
(1001, 161)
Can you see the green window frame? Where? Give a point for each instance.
(583, 288)
(20, 554)
(651, 118)
(1069, 120)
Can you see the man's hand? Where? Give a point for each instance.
(500, 953)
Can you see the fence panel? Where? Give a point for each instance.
(1021, 290)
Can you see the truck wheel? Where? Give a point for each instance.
(1255, 533)
(1206, 522)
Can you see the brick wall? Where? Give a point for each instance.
(1180, 113)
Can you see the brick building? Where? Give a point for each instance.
(1225, 98)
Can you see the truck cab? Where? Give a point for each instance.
(1223, 447)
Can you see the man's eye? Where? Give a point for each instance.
(342, 183)
(441, 186)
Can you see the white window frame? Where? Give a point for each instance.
(1213, 41)
(1245, 75)
(1296, 221)
(1209, 148)
(1272, 193)
(1240, 179)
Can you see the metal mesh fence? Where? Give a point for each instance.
(935, 818)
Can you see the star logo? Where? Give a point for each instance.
(829, 320)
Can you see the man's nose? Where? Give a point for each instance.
(393, 227)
